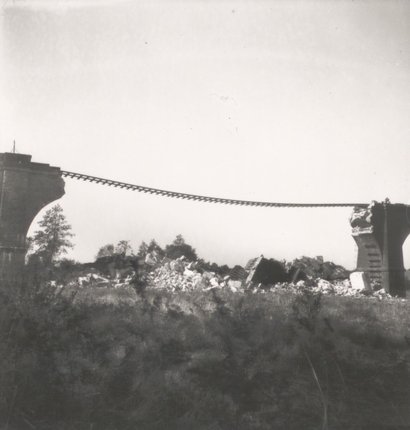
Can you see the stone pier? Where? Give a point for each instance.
(380, 231)
(25, 188)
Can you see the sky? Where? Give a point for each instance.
(273, 100)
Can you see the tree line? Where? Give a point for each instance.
(52, 241)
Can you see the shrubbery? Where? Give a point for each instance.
(202, 360)
(179, 248)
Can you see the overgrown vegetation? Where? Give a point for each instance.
(203, 360)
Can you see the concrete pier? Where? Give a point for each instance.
(25, 188)
(380, 231)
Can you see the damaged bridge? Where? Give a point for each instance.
(26, 188)
(379, 229)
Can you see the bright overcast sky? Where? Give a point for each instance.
(294, 101)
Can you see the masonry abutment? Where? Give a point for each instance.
(25, 189)
(380, 231)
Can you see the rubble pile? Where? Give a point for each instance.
(336, 288)
(182, 275)
(307, 268)
(96, 280)
(259, 276)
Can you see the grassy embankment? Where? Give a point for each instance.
(204, 361)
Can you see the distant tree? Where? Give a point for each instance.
(124, 248)
(179, 240)
(53, 238)
(142, 250)
(207, 266)
(223, 270)
(153, 246)
(179, 248)
(105, 251)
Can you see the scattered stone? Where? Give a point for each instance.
(234, 285)
(324, 286)
(305, 267)
(214, 282)
(181, 275)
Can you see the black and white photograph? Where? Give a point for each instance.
(204, 214)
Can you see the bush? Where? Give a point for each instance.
(179, 248)
(202, 360)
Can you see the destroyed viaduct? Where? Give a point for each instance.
(26, 187)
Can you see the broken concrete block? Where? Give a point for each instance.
(238, 273)
(189, 273)
(266, 272)
(214, 282)
(234, 285)
(311, 268)
(360, 281)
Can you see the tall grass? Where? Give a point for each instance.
(202, 361)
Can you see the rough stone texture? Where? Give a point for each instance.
(380, 231)
(238, 273)
(266, 272)
(97, 285)
(25, 188)
(310, 268)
